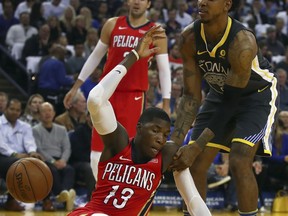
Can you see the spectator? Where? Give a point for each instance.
(218, 175)
(37, 45)
(283, 64)
(282, 89)
(257, 12)
(24, 6)
(76, 115)
(7, 19)
(270, 9)
(182, 17)
(163, 12)
(3, 101)
(53, 8)
(76, 62)
(19, 33)
(91, 41)
(78, 32)
(36, 16)
(90, 22)
(102, 12)
(284, 16)
(172, 25)
(16, 141)
(53, 143)
(55, 29)
(31, 112)
(153, 94)
(66, 20)
(283, 38)
(175, 59)
(80, 141)
(52, 77)
(278, 163)
(76, 5)
(274, 45)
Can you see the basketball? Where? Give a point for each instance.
(29, 180)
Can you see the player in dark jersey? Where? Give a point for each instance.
(238, 113)
(130, 171)
(119, 36)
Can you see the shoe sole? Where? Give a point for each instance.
(222, 181)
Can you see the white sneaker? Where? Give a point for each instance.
(221, 181)
(63, 196)
(70, 200)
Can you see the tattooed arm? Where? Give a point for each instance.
(242, 51)
(190, 101)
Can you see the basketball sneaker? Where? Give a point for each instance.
(218, 180)
(70, 200)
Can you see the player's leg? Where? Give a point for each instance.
(200, 167)
(241, 159)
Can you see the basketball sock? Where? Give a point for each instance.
(252, 213)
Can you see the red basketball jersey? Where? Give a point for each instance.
(126, 188)
(123, 39)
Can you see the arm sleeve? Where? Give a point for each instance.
(164, 75)
(101, 111)
(93, 60)
(185, 185)
(226, 109)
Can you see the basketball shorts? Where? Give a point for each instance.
(252, 122)
(128, 106)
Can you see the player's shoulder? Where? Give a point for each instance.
(188, 34)
(243, 39)
(111, 21)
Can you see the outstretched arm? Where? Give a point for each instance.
(92, 61)
(191, 99)
(100, 109)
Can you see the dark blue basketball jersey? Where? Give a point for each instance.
(215, 66)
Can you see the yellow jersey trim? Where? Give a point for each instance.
(221, 42)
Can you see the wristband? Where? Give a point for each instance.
(13, 154)
(136, 54)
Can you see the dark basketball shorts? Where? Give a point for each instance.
(252, 122)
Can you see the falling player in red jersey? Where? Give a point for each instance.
(130, 171)
(119, 36)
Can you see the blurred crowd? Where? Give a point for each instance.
(53, 39)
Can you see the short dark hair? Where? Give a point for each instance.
(13, 100)
(235, 5)
(151, 113)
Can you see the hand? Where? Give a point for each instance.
(143, 48)
(68, 98)
(36, 155)
(60, 164)
(286, 158)
(222, 169)
(185, 157)
(257, 167)
(21, 155)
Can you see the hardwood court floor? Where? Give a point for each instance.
(152, 213)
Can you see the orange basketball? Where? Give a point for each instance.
(29, 180)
